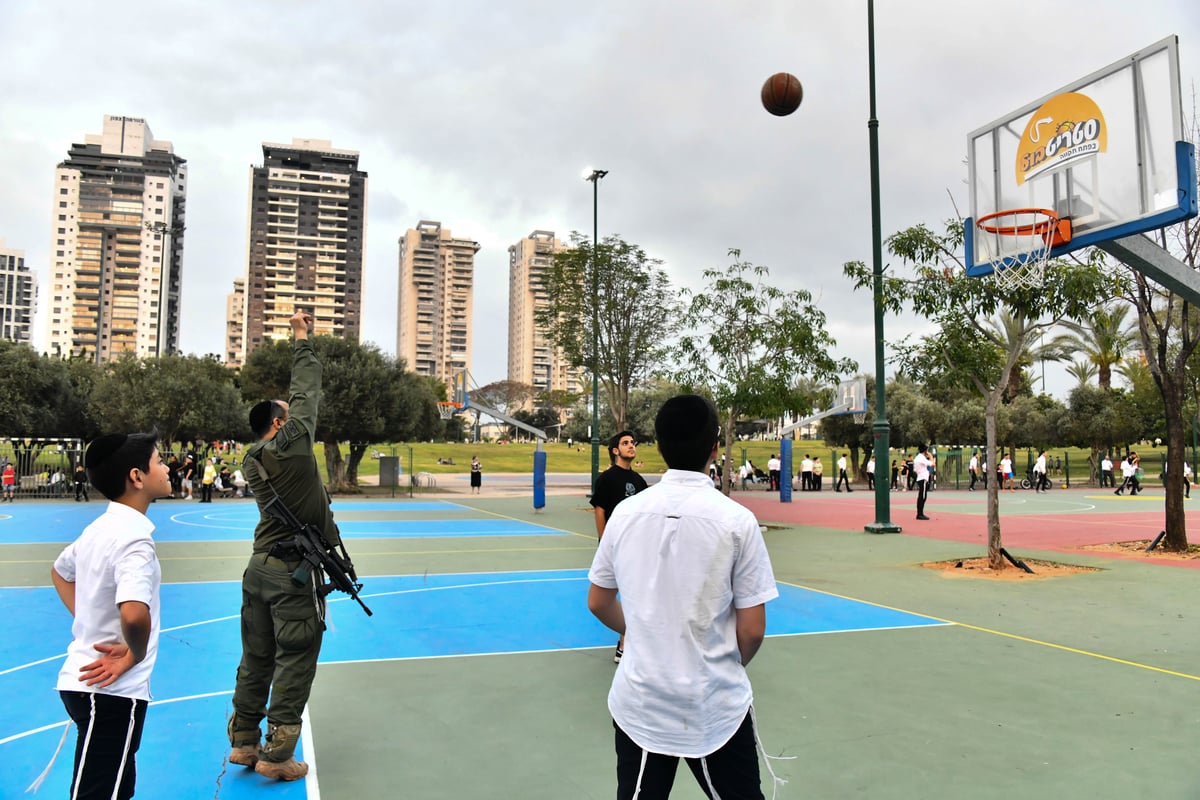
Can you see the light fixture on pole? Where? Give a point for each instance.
(594, 175)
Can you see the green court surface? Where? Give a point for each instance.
(1084, 686)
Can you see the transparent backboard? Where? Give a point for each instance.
(1105, 152)
(851, 397)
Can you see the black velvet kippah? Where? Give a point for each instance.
(680, 417)
(102, 449)
(260, 415)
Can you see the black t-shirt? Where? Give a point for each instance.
(614, 485)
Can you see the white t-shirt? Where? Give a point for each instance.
(112, 561)
(1006, 466)
(1106, 464)
(921, 465)
(773, 465)
(1040, 465)
(1127, 468)
(842, 464)
(974, 465)
(683, 557)
(806, 465)
(871, 466)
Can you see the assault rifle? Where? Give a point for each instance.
(317, 554)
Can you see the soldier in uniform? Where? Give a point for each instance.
(282, 622)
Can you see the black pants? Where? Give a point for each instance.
(1043, 483)
(922, 494)
(110, 732)
(843, 477)
(733, 769)
(871, 481)
(974, 478)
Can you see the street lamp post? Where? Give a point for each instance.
(882, 431)
(594, 175)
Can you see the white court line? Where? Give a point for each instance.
(168, 701)
(228, 617)
(310, 756)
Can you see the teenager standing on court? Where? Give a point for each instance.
(476, 475)
(282, 621)
(693, 575)
(921, 466)
(613, 485)
(109, 580)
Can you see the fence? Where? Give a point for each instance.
(44, 467)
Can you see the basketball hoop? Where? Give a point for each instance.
(859, 419)
(447, 410)
(1018, 243)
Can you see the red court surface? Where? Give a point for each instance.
(1057, 521)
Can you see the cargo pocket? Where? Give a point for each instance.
(295, 625)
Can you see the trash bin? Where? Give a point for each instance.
(389, 471)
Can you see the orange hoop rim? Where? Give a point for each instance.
(1041, 227)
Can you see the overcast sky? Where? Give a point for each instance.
(481, 115)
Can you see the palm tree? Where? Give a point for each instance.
(1104, 338)
(1083, 371)
(1012, 327)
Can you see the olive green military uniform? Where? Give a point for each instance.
(282, 622)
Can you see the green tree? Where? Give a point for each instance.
(747, 342)
(632, 314)
(366, 397)
(1103, 337)
(961, 347)
(187, 398)
(1098, 419)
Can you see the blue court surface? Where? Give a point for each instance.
(224, 521)
(416, 617)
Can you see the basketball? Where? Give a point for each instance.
(782, 93)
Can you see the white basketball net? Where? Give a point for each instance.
(1018, 244)
(446, 410)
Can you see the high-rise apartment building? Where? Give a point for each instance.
(235, 322)
(18, 296)
(437, 274)
(532, 357)
(116, 267)
(308, 212)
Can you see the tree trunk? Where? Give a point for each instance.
(335, 466)
(995, 560)
(1176, 522)
(357, 451)
(728, 471)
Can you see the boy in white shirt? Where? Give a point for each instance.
(693, 574)
(109, 580)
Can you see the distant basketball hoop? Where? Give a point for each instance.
(1019, 240)
(859, 419)
(447, 410)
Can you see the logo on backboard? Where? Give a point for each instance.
(1065, 129)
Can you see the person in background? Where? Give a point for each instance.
(614, 485)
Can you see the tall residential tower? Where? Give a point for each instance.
(117, 262)
(308, 211)
(18, 296)
(532, 357)
(437, 274)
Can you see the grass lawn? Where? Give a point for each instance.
(577, 457)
